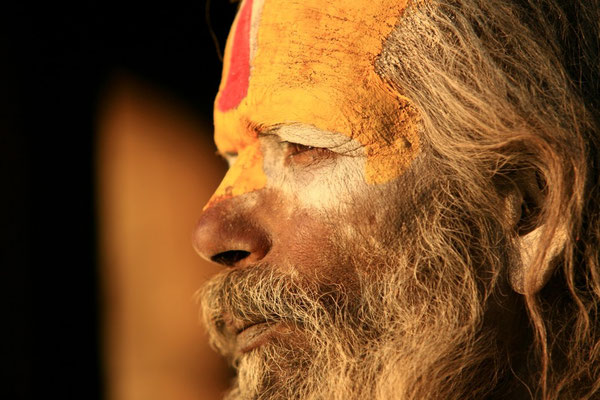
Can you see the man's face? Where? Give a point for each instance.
(333, 283)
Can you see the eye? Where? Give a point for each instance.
(295, 148)
(304, 154)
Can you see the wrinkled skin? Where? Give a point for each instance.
(312, 187)
(341, 257)
(316, 220)
(315, 211)
(316, 200)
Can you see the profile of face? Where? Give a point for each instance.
(351, 266)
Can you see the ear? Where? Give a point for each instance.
(538, 242)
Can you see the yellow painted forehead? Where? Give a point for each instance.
(312, 62)
(309, 53)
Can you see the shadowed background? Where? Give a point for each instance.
(106, 161)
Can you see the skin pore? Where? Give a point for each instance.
(372, 250)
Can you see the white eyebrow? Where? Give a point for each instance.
(309, 135)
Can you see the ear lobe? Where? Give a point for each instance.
(536, 261)
(538, 242)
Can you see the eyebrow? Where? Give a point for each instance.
(310, 135)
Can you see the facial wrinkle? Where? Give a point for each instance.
(314, 64)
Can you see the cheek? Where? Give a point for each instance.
(330, 245)
(308, 243)
(326, 217)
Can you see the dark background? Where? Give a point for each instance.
(55, 61)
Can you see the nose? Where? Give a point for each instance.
(230, 237)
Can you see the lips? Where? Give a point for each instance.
(249, 326)
(235, 326)
(246, 334)
(254, 335)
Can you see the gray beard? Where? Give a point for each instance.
(396, 334)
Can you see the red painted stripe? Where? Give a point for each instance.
(236, 86)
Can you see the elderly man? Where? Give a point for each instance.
(412, 206)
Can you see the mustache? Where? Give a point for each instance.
(262, 293)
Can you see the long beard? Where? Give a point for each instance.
(396, 332)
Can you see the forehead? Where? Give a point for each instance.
(306, 42)
(309, 62)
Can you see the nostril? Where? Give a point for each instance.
(230, 258)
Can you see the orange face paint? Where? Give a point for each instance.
(312, 62)
(247, 174)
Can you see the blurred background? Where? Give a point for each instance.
(106, 160)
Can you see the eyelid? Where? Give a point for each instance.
(283, 142)
(305, 135)
(346, 148)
